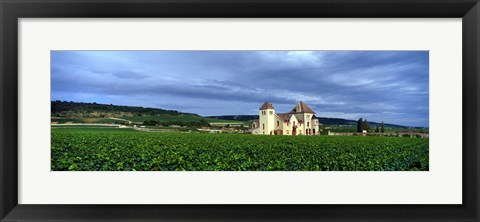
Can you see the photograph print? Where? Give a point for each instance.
(239, 110)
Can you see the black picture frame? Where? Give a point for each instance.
(12, 10)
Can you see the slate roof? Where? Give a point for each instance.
(284, 116)
(303, 108)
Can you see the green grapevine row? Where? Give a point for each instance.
(78, 149)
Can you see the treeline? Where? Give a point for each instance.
(199, 123)
(364, 125)
(78, 109)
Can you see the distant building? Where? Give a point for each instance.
(301, 120)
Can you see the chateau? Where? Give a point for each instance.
(301, 120)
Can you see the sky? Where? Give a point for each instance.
(389, 86)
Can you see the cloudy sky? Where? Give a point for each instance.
(390, 86)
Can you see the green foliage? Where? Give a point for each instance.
(80, 110)
(360, 125)
(366, 125)
(123, 149)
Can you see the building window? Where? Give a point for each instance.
(308, 124)
(263, 126)
(294, 123)
(288, 132)
(271, 112)
(278, 123)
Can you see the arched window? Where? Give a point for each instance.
(263, 126)
(278, 123)
(308, 124)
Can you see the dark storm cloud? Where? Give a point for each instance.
(378, 85)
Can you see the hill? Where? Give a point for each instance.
(66, 109)
(78, 112)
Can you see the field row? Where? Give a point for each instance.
(123, 149)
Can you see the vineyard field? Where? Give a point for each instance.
(103, 149)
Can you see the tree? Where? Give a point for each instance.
(360, 125)
(366, 126)
(377, 129)
(382, 128)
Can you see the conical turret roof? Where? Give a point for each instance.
(266, 105)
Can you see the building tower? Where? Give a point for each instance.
(310, 124)
(266, 115)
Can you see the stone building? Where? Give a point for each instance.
(301, 120)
